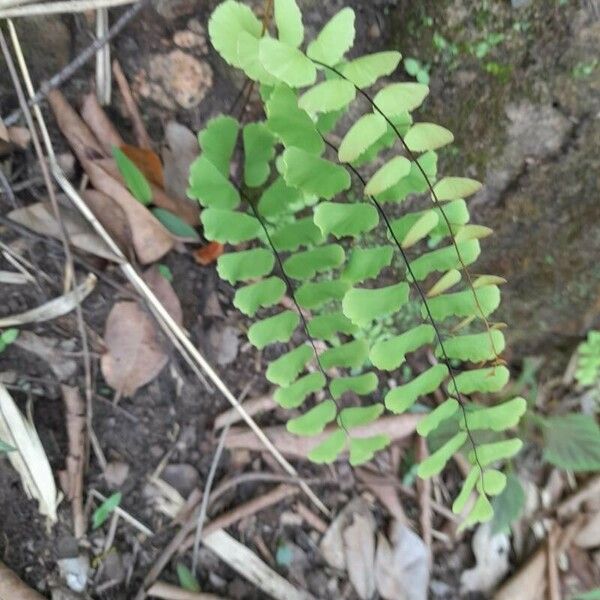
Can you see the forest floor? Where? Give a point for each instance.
(520, 88)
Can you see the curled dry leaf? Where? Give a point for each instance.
(150, 239)
(135, 355)
(54, 308)
(359, 551)
(180, 150)
(147, 161)
(40, 219)
(101, 126)
(491, 554)
(402, 567)
(209, 253)
(15, 589)
(29, 457)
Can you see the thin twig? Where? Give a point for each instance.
(7, 189)
(205, 497)
(65, 6)
(69, 70)
(103, 74)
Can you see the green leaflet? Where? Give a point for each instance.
(101, 514)
(328, 450)
(440, 413)
(482, 513)
(462, 304)
(325, 326)
(388, 175)
(345, 219)
(398, 98)
(467, 487)
(414, 182)
(365, 71)
(290, 123)
(278, 328)
(314, 294)
(476, 347)
(175, 225)
(229, 227)
(328, 96)
(417, 231)
(446, 258)
(490, 379)
(305, 265)
(217, 141)
(134, 179)
(363, 449)
(387, 140)
(390, 354)
(264, 293)
(490, 453)
(401, 398)
(248, 49)
(313, 421)
(290, 237)
(288, 19)
(334, 40)
(427, 136)
(363, 134)
(210, 187)
(444, 283)
(367, 263)
(434, 463)
(492, 481)
(258, 151)
(186, 579)
(351, 355)
(314, 175)
(326, 122)
(456, 213)
(497, 418)
(359, 384)
(572, 442)
(296, 393)
(284, 370)
(286, 63)
(453, 188)
(227, 21)
(277, 200)
(363, 305)
(245, 265)
(358, 416)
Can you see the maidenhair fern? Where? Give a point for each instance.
(294, 227)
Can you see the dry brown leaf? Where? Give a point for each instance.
(19, 136)
(402, 567)
(150, 239)
(28, 457)
(491, 554)
(385, 493)
(39, 218)
(11, 587)
(208, 254)
(147, 161)
(75, 461)
(99, 123)
(359, 551)
(50, 351)
(589, 535)
(529, 583)
(181, 149)
(398, 427)
(135, 355)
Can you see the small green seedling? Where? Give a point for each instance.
(104, 511)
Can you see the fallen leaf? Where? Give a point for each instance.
(101, 126)
(147, 161)
(39, 218)
(359, 551)
(398, 427)
(56, 307)
(150, 239)
(589, 534)
(209, 253)
(135, 355)
(491, 555)
(180, 150)
(50, 351)
(402, 567)
(19, 136)
(15, 589)
(29, 457)
(529, 583)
